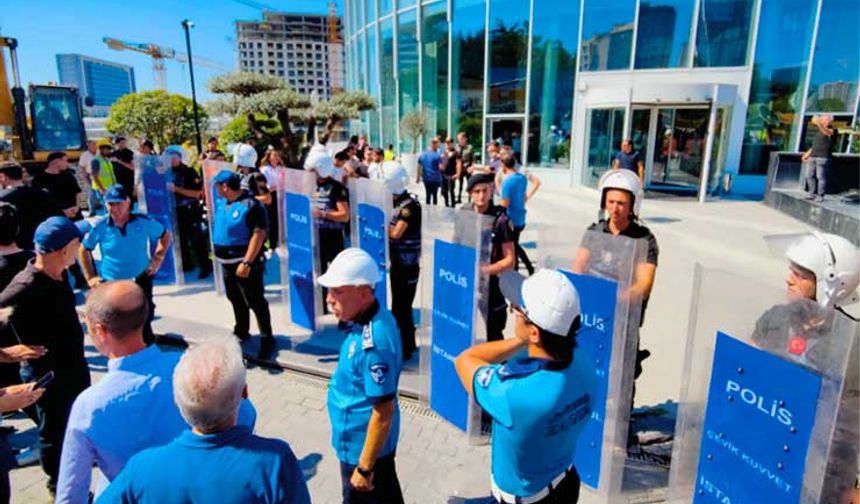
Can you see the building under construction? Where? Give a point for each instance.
(306, 50)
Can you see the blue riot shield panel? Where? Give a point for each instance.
(302, 260)
(158, 202)
(371, 202)
(214, 203)
(763, 390)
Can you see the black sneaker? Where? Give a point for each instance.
(205, 271)
(267, 347)
(243, 337)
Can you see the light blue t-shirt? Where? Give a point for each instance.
(125, 252)
(230, 467)
(368, 369)
(538, 413)
(513, 189)
(430, 161)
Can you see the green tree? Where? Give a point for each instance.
(237, 131)
(158, 116)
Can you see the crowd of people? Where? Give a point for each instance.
(189, 415)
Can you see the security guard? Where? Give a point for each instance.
(362, 396)
(621, 198)
(238, 234)
(480, 190)
(404, 245)
(187, 188)
(330, 209)
(124, 239)
(102, 171)
(539, 403)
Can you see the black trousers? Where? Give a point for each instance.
(145, 283)
(567, 491)
(431, 190)
(463, 179)
(248, 294)
(386, 485)
(448, 186)
(404, 283)
(496, 321)
(192, 240)
(331, 244)
(520, 251)
(274, 230)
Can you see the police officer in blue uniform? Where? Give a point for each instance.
(238, 235)
(362, 396)
(404, 245)
(539, 403)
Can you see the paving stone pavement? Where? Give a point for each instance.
(435, 462)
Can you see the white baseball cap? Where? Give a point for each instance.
(547, 298)
(352, 266)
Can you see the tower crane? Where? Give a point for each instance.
(159, 54)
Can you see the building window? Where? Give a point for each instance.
(509, 33)
(723, 34)
(386, 79)
(836, 63)
(467, 69)
(434, 29)
(663, 33)
(605, 127)
(407, 69)
(607, 34)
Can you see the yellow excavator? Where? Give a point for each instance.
(54, 123)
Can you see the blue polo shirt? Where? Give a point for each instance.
(368, 370)
(513, 189)
(230, 467)
(124, 251)
(538, 413)
(629, 161)
(430, 161)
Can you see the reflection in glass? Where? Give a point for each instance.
(359, 62)
(723, 33)
(836, 63)
(373, 84)
(403, 4)
(605, 127)
(385, 7)
(779, 71)
(467, 68)
(680, 147)
(509, 34)
(407, 69)
(434, 32)
(554, 41)
(663, 37)
(386, 79)
(370, 10)
(607, 34)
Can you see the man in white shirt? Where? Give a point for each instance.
(85, 173)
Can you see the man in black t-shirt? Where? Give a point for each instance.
(58, 180)
(187, 190)
(330, 211)
(480, 190)
(123, 165)
(34, 205)
(819, 157)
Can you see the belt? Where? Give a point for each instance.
(236, 260)
(506, 498)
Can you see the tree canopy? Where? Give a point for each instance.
(158, 116)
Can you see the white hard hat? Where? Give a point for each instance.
(320, 161)
(835, 262)
(352, 266)
(624, 180)
(245, 155)
(547, 298)
(395, 177)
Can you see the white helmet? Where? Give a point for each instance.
(835, 262)
(245, 155)
(352, 266)
(624, 180)
(395, 177)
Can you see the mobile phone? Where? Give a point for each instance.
(44, 381)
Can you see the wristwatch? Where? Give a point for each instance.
(246, 263)
(364, 472)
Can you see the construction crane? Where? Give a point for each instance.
(159, 54)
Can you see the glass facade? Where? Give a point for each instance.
(373, 84)
(467, 69)
(434, 54)
(723, 34)
(663, 36)
(607, 34)
(605, 126)
(836, 62)
(407, 70)
(386, 79)
(509, 41)
(102, 81)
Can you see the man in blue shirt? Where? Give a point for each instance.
(131, 408)
(429, 172)
(515, 192)
(217, 460)
(629, 159)
(540, 403)
(124, 239)
(362, 396)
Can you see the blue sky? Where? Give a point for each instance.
(45, 28)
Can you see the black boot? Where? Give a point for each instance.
(267, 347)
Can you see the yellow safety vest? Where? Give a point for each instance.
(106, 174)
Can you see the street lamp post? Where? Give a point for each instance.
(186, 24)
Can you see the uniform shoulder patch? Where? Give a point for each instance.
(405, 212)
(379, 372)
(484, 376)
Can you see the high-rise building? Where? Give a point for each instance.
(295, 47)
(101, 81)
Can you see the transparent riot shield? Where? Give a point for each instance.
(370, 205)
(214, 203)
(156, 180)
(454, 295)
(603, 268)
(763, 385)
(301, 267)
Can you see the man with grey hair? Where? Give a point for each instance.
(819, 157)
(217, 460)
(131, 408)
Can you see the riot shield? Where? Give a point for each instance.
(371, 202)
(763, 385)
(214, 203)
(302, 266)
(156, 178)
(454, 296)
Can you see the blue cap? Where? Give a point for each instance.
(54, 234)
(227, 176)
(116, 194)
